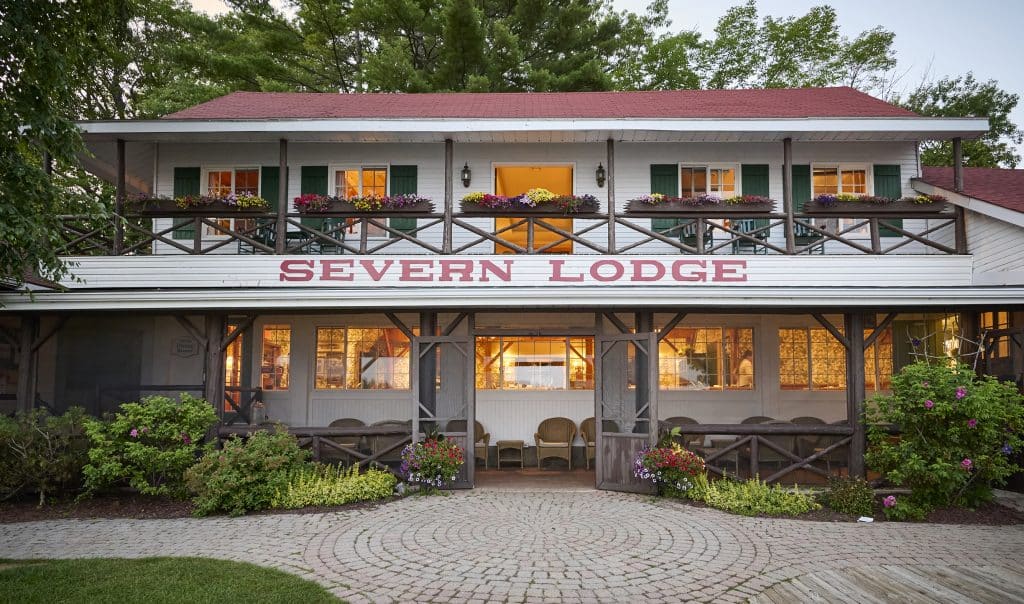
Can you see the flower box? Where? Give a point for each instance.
(546, 209)
(534, 201)
(660, 204)
(202, 208)
(391, 205)
(873, 206)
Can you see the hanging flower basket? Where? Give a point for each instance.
(703, 204)
(202, 206)
(534, 201)
(854, 206)
(390, 204)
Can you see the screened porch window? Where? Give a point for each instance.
(275, 357)
(707, 358)
(361, 182)
(812, 359)
(361, 358)
(534, 363)
(516, 180)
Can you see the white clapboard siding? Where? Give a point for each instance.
(997, 246)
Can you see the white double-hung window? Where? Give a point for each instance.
(221, 182)
(717, 180)
(841, 179)
(362, 181)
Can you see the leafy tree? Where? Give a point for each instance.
(53, 52)
(965, 96)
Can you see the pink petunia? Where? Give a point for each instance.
(134, 433)
(960, 392)
(928, 404)
(889, 501)
(972, 423)
(966, 464)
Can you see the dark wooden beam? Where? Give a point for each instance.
(38, 343)
(454, 324)
(610, 183)
(239, 329)
(213, 374)
(616, 322)
(820, 318)
(119, 198)
(27, 363)
(960, 230)
(280, 239)
(191, 329)
(400, 325)
(787, 191)
(671, 325)
(855, 390)
(879, 330)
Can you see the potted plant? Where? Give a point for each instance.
(846, 204)
(656, 203)
(669, 466)
(433, 463)
(199, 205)
(534, 201)
(311, 203)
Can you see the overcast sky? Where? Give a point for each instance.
(946, 36)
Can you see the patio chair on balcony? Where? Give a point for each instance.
(688, 234)
(335, 227)
(356, 443)
(588, 432)
(481, 438)
(748, 226)
(264, 234)
(693, 442)
(805, 237)
(554, 438)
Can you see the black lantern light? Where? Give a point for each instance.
(600, 174)
(467, 174)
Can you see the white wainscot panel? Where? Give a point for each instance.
(511, 415)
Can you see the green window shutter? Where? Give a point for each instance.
(186, 182)
(801, 186)
(755, 179)
(889, 184)
(664, 180)
(313, 179)
(270, 182)
(403, 182)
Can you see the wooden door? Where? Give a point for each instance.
(443, 394)
(626, 407)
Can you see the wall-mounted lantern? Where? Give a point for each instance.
(467, 175)
(600, 175)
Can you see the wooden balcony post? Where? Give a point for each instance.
(787, 192)
(27, 363)
(610, 183)
(281, 228)
(213, 369)
(449, 151)
(119, 199)
(958, 164)
(855, 389)
(960, 230)
(970, 337)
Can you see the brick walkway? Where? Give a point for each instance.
(522, 546)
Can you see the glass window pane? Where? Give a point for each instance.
(878, 362)
(826, 181)
(690, 358)
(686, 182)
(275, 357)
(247, 182)
(218, 183)
(374, 182)
(378, 359)
(330, 358)
(488, 363)
(828, 361)
(534, 364)
(700, 181)
(855, 181)
(739, 352)
(581, 364)
(793, 361)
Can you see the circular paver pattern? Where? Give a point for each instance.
(578, 546)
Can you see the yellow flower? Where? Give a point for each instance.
(540, 195)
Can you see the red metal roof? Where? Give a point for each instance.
(999, 186)
(684, 104)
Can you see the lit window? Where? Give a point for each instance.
(813, 359)
(234, 360)
(361, 182)
(997, 320)
(221, 183)
(707, 358)
(836, 179)
(361, 358)
(707, 180)
(276, 357)
(528, 363)
(516, 180)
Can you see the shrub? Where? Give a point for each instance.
(323, 485)
(669, 466)
(148, 445)
(848, 495)
(42, 453)
(432, 463)
(957, 434)
(754, 497)
(245, 474)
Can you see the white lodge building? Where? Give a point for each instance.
(761, 328)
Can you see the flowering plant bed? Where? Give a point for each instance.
(852, 205)
(433, 463)
(670, 467)
(199, 205)
(656, 203)
(534, 201)
(311, 203)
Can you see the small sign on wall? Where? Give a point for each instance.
(184, 347)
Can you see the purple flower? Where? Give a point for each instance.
(889, 501)
(928, 404)
(134, 433)
(972, 423)
(915, 342)
(1007, 449)
(966, 464)
(185, 438)
(960, 392)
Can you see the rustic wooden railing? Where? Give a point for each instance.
(713, 232)
(381, 441)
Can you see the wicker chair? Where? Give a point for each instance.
(807, 445)
(382, 442)
(350, 442)
(554, 439)
(758, 419)
(481, 438)
(693, 442)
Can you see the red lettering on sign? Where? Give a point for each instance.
(728, 270)
(412, 270)
(463, 268)
(334, 270)
(486, 266)
(693, 275)
(638, 270)
(617, 270)
(296, 270)
(556, 272)
(370, 266)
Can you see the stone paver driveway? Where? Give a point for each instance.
(530, 546)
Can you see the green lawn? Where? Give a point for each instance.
(152, 581)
